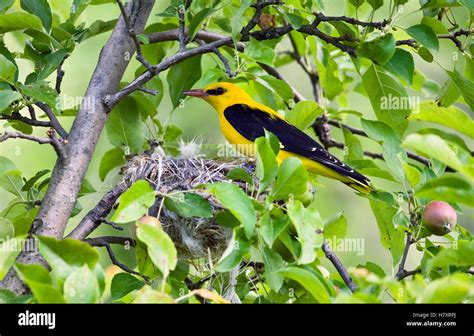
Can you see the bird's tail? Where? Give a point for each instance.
(360, 187)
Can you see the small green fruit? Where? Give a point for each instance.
(439, 217)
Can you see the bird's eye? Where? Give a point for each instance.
(216, 92)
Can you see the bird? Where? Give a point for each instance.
(243, 120)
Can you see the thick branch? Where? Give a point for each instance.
(68, 174)
(95, 216)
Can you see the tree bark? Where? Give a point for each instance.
(69, 172)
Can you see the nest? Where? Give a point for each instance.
(193, 237)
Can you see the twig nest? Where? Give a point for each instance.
(193, 237)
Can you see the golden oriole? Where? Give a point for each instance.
(243, 120)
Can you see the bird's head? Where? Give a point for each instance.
(220, 95)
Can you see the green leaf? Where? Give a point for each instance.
(375, 4)
(182, 76)
(66, 255)
(448, 188)
(433, 146)
(232, 256)
(40, 92)
(309, 281)
(7, 70)
(33, 272)
(266, 166)
(5, 5)
(161, 248)
(336, 227)
(307, 222)
(388, 98)
(124, 283)
(134, 203)
(111, 159)
(452, 117)
(380, 50)
(7, 97)
(7, 229)
(239, 20)
(402, 64)
(356, 3)
(10, 248)
(354, 146)
(237, 202)
(240, 174)
(451, 289)
(41, 9)
(39, 281)
(82, 286)
(188, 205)
(390, 237)
(393, 152)
(197, 21)
(425, 54)
(424, 35)
(260, 51)
(295, 20)
(273, 263)
(303, 114)
(272, 227)
(13, 183)
(448, 94)
(31, 182)
(292, 178)
(50, 63)
(435, 24)
(465, 86)
(460, 255)
(18, 21)
(282, 88)
(125, 128)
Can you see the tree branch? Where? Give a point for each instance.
(69, 173)
(329, 253)
(53, 120)
(107, 240)
(33, 121)
(51, 139)
(95, 216)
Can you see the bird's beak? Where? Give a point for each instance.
(196, 93)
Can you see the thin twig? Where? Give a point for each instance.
(329, 253)
(28, 121)
(224, 60)
(320, 17)
(112, 224)
(134, 38)
(52, 118)
(104, 240)
(402, 273)
(60, 75)
(51, 139)
(182, 32)
(124, 267)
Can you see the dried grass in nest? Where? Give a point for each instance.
(194, 237)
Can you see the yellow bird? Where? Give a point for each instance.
(243, 120)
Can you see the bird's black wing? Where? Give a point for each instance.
(251, 123)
